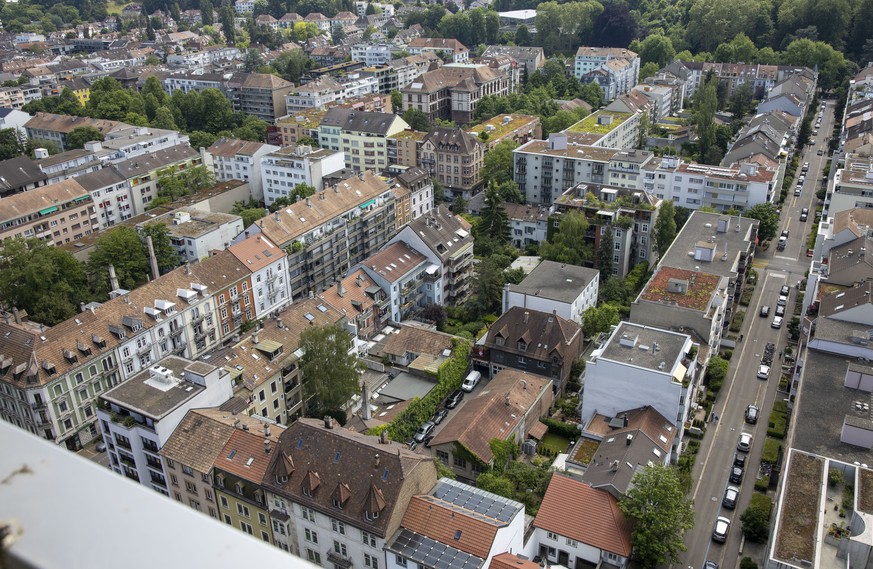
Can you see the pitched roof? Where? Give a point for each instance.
(451, 77)
(846, 299)
(438, 43)
(417, 340)
(244, 453)
(53, 195)
(201, 436)
(544, 334)
(354, 298)
(512, 561)
(441, 521)
(488, 416)
(444, 232)
(65, 123)
(259, 81)
(858, 220)
(18, 172)
(145, 163)
(576, 510)
(394, 261)
(381, 477)
(228, 147)
(256, 252)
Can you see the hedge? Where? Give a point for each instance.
(770, 453)
(449, 377)
(561, 428)
(778, 424)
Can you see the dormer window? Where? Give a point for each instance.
(307, 492)
(522, 346)
(337, 504)
(499, 340)
(219, 479)
(281, 479)
(239, 487)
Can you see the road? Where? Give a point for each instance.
(742, 388)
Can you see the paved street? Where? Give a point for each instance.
(741, 387)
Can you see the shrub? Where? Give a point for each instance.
(770, 454)
(763, 484)
(561, 428)
(747, 563)
(727, 354)
(835, 477)
(756, 518)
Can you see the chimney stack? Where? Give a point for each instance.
(365, 402)
(625, 419)
(113, 280)
(81, 307)
(267, 430)
(339, 289)
(376, 460)
(526, 316)
(383, 437)
(267, 446)
(17, 315)
(255, 337)
(506, 399)
(153, 260)
(328, 422)
(280, 324)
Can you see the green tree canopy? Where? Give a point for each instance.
(497, 164)
(10, 144)
(665, 227)
(767, 217)
(77, 137)
(123, 248)
(568, 244)
(661, 515)
(416, 120)
(599, 319)
(44, 280)
(330, 374)
(705, 106)
(756, 518)
(495, 223)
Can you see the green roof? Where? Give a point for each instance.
(591, 124)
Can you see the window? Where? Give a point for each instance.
(522, 346)
(310, 535)
(340, 548)
(307, 514)
(572, 542)
(368, 539)
(262, 519)
(553, 536)
(227, 520)
(401, 561)
(371, 561)
(460, 462)
(246, 528)
(265, 536)
(190, 487)
(443, 456)
(313, 556)
(187, 470)
(242, 510)
(338, 526)
(173, 480)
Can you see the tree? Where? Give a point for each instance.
(252, 60)
(598, 319)
(648, 70)
(166, 255)
(416, 120)
(488, 287)
(495, 222)
(10, 144)
(206, 10)
(396, 100)
(337, 34)
(44, 280)
(509, 192)
(705, 106)
(665, 227)
(522, 36)
(756, 518)
(768, 220)
(661, 515)
(497, 164)
(616, 26)
(164, 119)
(227, 24)
(568, 244)
(77, 137)
(740, 101)
(605, 254)
(330, 374)
(613, 290)
(681, 215)
(122, 248)
(249, 211)
(496, 483)
(748, 563)
(656, 48)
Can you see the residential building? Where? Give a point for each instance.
(20, 174)
(335, 230)
(529, 224)
(454, 158)
(284, 169)
(131, 141)
(363, 303)
(556, 288)
(319, 19)
(419, 186)
(447, 243)
(403, 148)
(399, 73)
(143, 172)
(361, 8)
(401, 271)
(616, 70)
(187, 82)
(235, 159)
(244, 6)
(361, 136)
(761, 77)
(416, 347)
(269, 276)
(641, 365)
(579, 526)
(529, 58)
(195, 446)
(535, 342)
(239, 471)
(608, 129)
(14, 118)
(324, 506)
(456, 525)
(138, 416)
(510, 407)
(518, 129)
(852, 184)
(372, 54)
(445, 47)
(57, 213)
(841, 228)
(315, 94)
(195, 233)
(300, 124)
(452, 92)
(259, 94)
(628, 216)
(112, 194)
(71, 163)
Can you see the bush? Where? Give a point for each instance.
(747, 563)
(756, 518)
(835, 477)
(561, 428)
(727, 354)
(763, 484)
(778, 424)
(770, 454)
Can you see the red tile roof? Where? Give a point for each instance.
(576, 510)
(511, 561)
(450, 525)
(249, 460)
(256, 252)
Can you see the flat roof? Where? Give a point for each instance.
(403, 387)
(699, 229)
(696, 293)
(140, 394)
(556, 281)
(645, 347)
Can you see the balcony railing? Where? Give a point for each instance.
(36, 405)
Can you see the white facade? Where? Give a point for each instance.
(188, 83)
(244, 6)
(134, 141)
(245, 167)
(195, 233)
(134, 436)
(372, 54)
(357, 85)
(548, 542)
(13, 118)
(284, 169)
(567, 310)
(619, 68)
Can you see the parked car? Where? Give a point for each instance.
(744, 444)
(783, 300)
(736, 475)
(777, 322)
(820, 152)
(763, 372)
(731, 495)
(804, 214)
(784, 233)
(739, 460)
(783, 241)
(751, 414)
(101, 447)
(721, 529)
(710, 565)
(805, 166)
(454, 398)
(765, 311)
(471, 380)
(423, 432)
(780, 311)
(798, 191)
(784, 290)
(439, 416)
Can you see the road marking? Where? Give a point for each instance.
(786, 258)
(760, 264)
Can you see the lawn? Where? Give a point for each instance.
(114, 7)
(555, 443)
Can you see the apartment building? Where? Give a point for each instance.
(419, 186)
(315, 94)
(235, 159)
(112, 194)
(399, 73)
(400, 271)
(518, 129)
(403, 148)
(529, 224)
(628, 215)
(362, 302)
(453, 91)
(529, 58)
(48, 126)
(338, 496)
(190, 454)
(187, 82)
(640, 365)
(372, 54)
(143, 172)
(258, 94)
(852, 185)
(284, 169)
(300, 124)
(761, 77)
(616, 70)
(450, 49)
(361, 136)
(57, 213)
(608, 129)
(454, 158)
(555, 288)
(71, 163)
(127, 142)
(138, 416)
(20, 174)
(196, 233)
(333, 230)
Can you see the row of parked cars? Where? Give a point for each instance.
(732, 493)
(425, 432)
(781, 303)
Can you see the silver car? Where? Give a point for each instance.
(721, 529)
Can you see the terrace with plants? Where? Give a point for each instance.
(592, 124)
(697, 295)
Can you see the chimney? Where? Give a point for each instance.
(245, 426)
(625, 420)
(255, 337)
(276, 216)
(328, 422)
(153, 260)
(365, 402)
(526, 316)
(361, 175)
(308, 202)
(506, 399)
(187, 267)
(267, 446)
(376, 460)
(113, 280)
(383, 437)
(339, 289)
(280, 324)
(17, 315)
(267, 430)
(81, 307)
(247, 233)
(236, 423)
(629, 440)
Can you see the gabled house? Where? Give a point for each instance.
(401, 272)
(524, 339)
(578, 526)
(363, 303)
(507, 408)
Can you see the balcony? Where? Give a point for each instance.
(151, 447)
(338, 559)
(144, 349)
(37, 405)
(198, 319)
(175, 331)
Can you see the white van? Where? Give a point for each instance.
(470, 381)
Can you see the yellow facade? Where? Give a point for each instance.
(244, 514)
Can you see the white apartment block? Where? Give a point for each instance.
(616, 70)
(372, 54)
(137, 417)
(112, 195)
(234, 159)
(314, 95)
(196, 233)
(285, 168)
(270, 287)
(243, 7)
(132, 141)
(187, 82)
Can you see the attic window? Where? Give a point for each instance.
(98, 341)
(117, 331)
(71, 357)
(522, 346)
(281, 479)
(457, 535)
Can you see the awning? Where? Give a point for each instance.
(48, 210)
(81, 198)
(268, 346)
(538, 431)
(367, 204)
